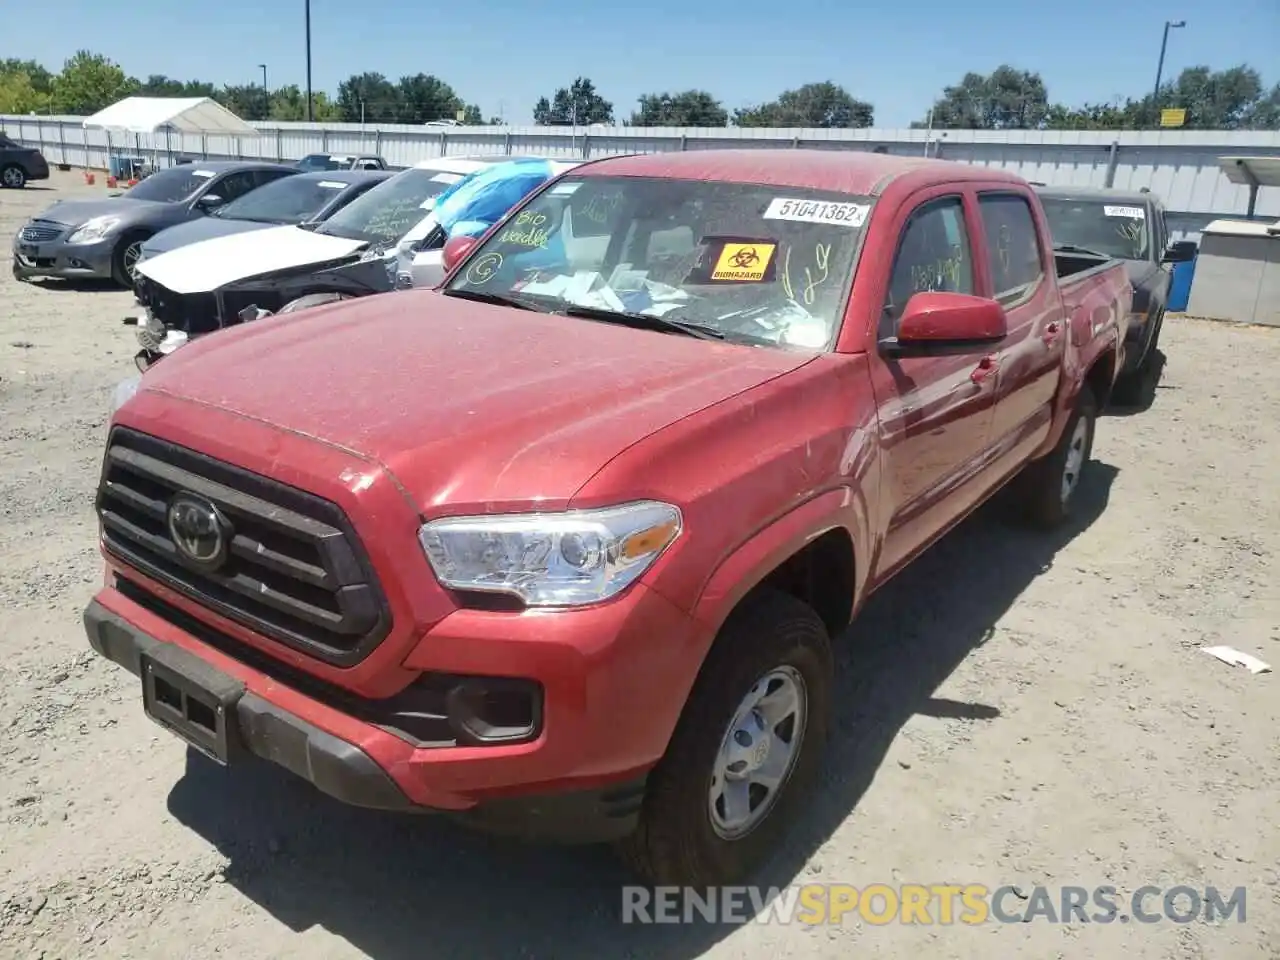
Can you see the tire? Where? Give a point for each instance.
(1049, 485)
(13, 177)
(125, 257)
(1130, 385)
(311, 300)
(771, 640)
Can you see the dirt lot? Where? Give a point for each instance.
(1012, 710)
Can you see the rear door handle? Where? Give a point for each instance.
(985, 368)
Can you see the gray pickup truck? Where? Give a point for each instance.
(18, 164)
(1130, 226)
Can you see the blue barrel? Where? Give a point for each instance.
(1180, 286)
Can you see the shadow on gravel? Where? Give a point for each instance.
(1147, 389)
(58, 285)
(413, 888)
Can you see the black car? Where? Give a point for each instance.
(18, 164)
(1130, 226)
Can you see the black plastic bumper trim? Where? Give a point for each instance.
(350, 775)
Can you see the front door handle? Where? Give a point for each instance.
(985, 368)
(1051, 332)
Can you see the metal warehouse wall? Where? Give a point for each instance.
(1180, 166)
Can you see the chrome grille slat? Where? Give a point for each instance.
(39, 233)
(295, 570)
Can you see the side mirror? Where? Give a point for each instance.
(456, 249)
(934, 324)
(1180, 251)
(210, 201)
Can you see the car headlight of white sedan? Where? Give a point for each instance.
(564, 559)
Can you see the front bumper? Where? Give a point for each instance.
(545, 789)
(57, 258)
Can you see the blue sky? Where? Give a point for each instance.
(504, 54)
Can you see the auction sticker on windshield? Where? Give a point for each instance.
(332, 184)
(743, 262)
(1129, 213)
(202, 173)
(850, 215)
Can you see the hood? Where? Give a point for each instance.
(206, 228)
(464, 403)
(72, 213)
(210, 264)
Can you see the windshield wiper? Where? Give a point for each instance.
(502, 299)
(646, 321)
(1072, 248)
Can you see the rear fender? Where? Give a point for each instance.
(1096, 336)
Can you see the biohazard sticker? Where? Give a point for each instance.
(743, 262)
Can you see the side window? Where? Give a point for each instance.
(234, 185)
(1013, 246)
(933, 255)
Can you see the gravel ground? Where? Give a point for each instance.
(1012, 710)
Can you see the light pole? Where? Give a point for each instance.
(1164, 45)
(310, 113)
(266, 93)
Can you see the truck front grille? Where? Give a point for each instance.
(293, 570)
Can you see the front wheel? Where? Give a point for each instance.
(13, 176)
(124, 259)
(746, 748)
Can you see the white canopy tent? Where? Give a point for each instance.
(170, 115)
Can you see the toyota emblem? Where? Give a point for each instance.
(199, 531)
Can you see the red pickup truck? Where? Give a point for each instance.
(560, 547)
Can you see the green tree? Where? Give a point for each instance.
(41, 80)
(474, 117)
(813, 105)
(248, 101)
(369, 98)
(422, 97)
(289, 103)
(1214, 100)
(690, 108)
(1005, 99)
(579, 103)
(18, 95)
(88, 83)
(158, 85)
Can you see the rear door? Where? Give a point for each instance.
(934, 412)
(1020, 278)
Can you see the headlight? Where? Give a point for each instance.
(125, 389)
(551, 559)
(93, 230)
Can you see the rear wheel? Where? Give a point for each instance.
(1048, 486)
(13, 177)
(124, 259)
(746, 748)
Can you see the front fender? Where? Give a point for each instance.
(753, 561)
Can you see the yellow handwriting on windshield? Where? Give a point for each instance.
(814, 275)
(528, 229)
(599, 208)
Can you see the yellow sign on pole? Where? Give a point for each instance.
(1173, 117)
(462, 115)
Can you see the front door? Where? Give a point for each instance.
(934, 412)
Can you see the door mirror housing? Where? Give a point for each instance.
(456, 249)
(935, 324)
(1180, 251)
(210, 201)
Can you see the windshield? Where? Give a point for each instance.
(756, 264)
(170, 186)
(1117, 230)
(391, 209)
(287, 200)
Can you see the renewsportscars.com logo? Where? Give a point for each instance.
(929, 904)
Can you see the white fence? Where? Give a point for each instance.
(1180, 166)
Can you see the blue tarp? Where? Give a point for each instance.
(479, 200)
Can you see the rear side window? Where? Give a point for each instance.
(1013, 246)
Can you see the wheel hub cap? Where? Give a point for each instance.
(1075, 459)
(757, 753)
